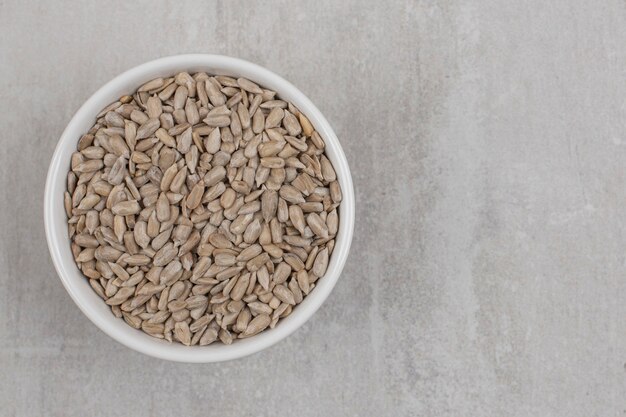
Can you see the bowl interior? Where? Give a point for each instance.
(56, 226)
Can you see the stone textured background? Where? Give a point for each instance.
(487, 141)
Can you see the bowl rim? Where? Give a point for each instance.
(68, 271)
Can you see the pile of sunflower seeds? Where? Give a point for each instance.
(202, 208)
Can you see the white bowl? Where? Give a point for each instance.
(56, 223)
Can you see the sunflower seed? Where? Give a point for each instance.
(125, 208)
(257, 325)
(249, 86)
(182, 332)
(317, 225)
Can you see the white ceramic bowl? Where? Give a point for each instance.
(56, 223)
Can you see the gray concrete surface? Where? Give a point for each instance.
(487, 141)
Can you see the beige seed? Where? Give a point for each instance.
(281, 273)
(297, 241)
(92, 221)
(273, 250)
(291, 194)
(224, 259)
(67, 203)
(165, 254)
(274, 118)
(321, 263)
(243, 319)
(153, 225)
(255, 263)
(327, 169)
(228, 198)
(191, 112)
(176, 291)
(257, 325)
(262, 174)
(276, 231)
(271, 148)
(310, 207)
(295, 290)
(272, 162)
(165, 137)
(137, 260)
(332, 222)
(134, 279)
(182, 332)
(283, 211)
(130, 134)
(269, 204)
(138, 117)
(240, 287)
(249, 86)
(307, 128)
(263, 277)
(283, 294)
(239, 225)
(171, 273)
(180, 97)
(214, 192)
(161, 239)
(335, 192)
(86, 255)
(220, 241)
(152, 85)
(228, 273)
(213, 142)
(153, 329)
(154, 107)
(249, 253)
(93, 152)
(218, 117)
(125, 208)
(91, 165)
(294, 261)
(252, 232)
(178, 180)
(119, 227)
(304, 183)
(194, 198)
(163, 208)
(225, 337)
(266, 236)
(257, 307)
(258, 122)
(251, 148)
(192, 241)
(184, 141)
(120, 296)
(214, 176)
(317, 225)
(148, 128)
(303, 281)
(297, 218)
(290, 122)
(201, 267)
(209, 336)
(168, 177)
(107, 254)
(253, 196)
(214, 95)
(88, 202)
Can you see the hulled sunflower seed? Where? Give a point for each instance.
(257, 325)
